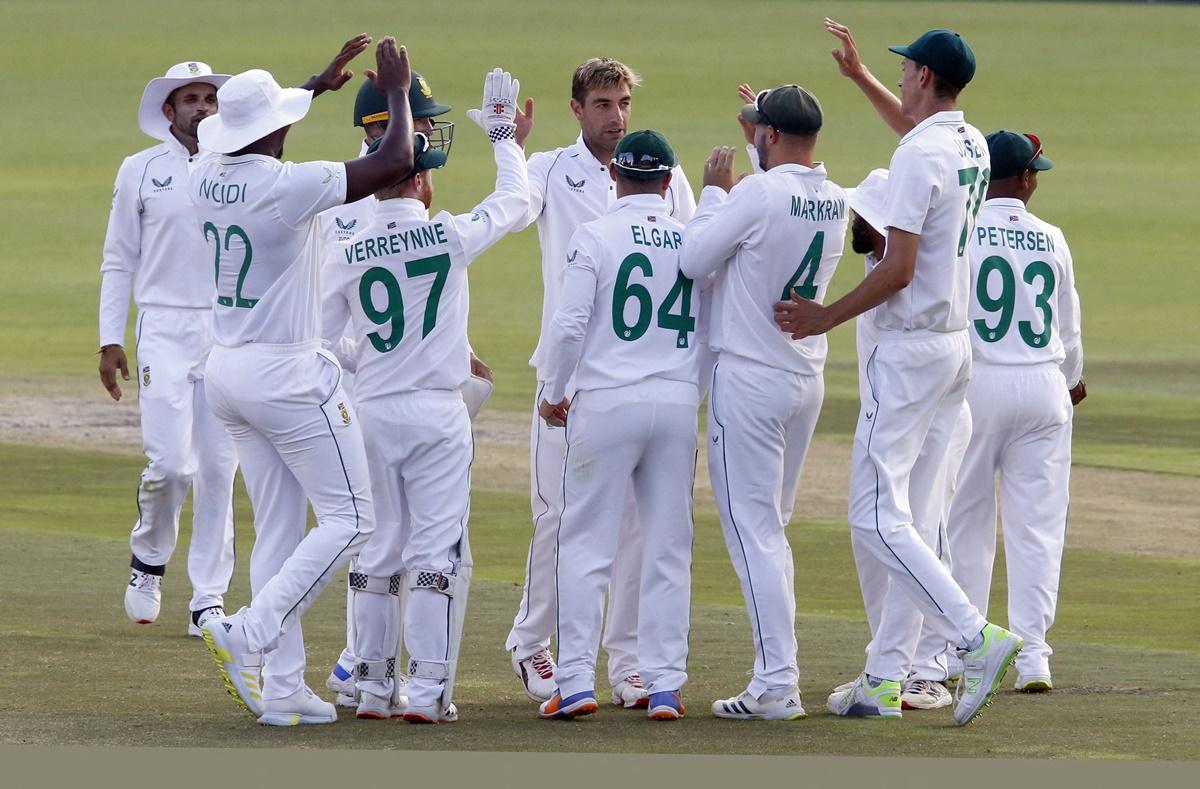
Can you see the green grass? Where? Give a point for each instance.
(1117, 126)
(1126, 661)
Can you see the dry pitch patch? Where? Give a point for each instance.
(1111, 510)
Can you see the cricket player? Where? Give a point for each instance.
(773, 232)
(338, 225)
(153, 249)
(568, 187)
(918, 369)
(402, 284)
(1028, 365)
(623, 333)
(277, 391)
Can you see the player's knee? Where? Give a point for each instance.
(167, 472)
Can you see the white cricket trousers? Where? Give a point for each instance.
(186, 446)
(419, 448)
(642, 435)
(535, 619)
(1023, 435)
(299, 442)
(760, 423)
(918, 381)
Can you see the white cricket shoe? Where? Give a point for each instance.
(630, 693)
(1034, 683)
(374, 707)
(864, 700)
(845, 686)
(536, 673)
(774, 705)
(143, 596)
(200, 618)
(301, 707)
(226, 639)
(924, 694)
(341, 682)
(983, 671)
(431, 714)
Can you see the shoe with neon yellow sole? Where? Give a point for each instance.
(866, 700)
(1034, 684)
(240, 667)
(983, 671)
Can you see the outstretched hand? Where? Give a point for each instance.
(394, 72)
(524, 122)
(747, 95)
(847, 57)
(336, 74)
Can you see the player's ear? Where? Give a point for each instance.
(666, 183)
(612, 171)
(169, 111)
(577, 108)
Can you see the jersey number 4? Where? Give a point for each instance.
(392, 311)
(232, 232)
(681, 293)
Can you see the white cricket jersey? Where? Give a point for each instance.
(567, 187)
(865, 332)
(1024, 306)
(626, 313)
(936, 182)
(402, 282)
(782, 230)
(259, 217)
(153, 240)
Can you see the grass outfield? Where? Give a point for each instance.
(1098, 82)
(1127, 667)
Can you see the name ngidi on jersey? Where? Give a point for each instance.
(1024, 306)
(625, 313)
(936, 182)
(259, 217)
(402, 283)
(776, 231)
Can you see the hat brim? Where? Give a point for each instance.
(751, 115)
(904, 52)
(150, 115)
(432, 112)
(1041, 163)
(871, 214)
(635, 174)
(431, 159)
(220, 137)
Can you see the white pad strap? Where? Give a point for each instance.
(430, 669)
(432, 579)
(375, 669)
(376, 584)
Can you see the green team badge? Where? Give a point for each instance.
(344, 225)
(162, 184)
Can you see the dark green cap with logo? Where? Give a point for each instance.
(1012, 153)
(425, 157)
(945, 52)
(789, 108)
(644, 155)
(370, 106)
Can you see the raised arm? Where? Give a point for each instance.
(883, 100)
(336, 74)
(393, 159)
(719, 226)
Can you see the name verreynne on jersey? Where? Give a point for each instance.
(395, 243)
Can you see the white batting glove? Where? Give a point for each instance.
(499, 112)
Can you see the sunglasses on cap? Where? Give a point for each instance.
(762, 94)
(1037, 150)
(645, 162)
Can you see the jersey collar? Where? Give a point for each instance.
(949, 116)
(639, 203)
(818, 169)
(585, 154)
(1005, 202)
(402, 207)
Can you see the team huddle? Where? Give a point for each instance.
(326, 353)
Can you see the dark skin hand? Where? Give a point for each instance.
(336, 74)
(1078, 393)
(394, 157)
(555, 415)
(479, 369)
(112, 358)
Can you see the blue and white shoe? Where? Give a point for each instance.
(574, 706)
(666, 705)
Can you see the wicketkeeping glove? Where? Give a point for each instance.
(499, 112)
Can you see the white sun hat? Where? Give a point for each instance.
(252, 106)
(150, 115)
(869, 199)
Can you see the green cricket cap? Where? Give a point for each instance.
(644, 155)
(945, 52)
(370, 105)
(425, 156)
(1012, 153)
(790, 109)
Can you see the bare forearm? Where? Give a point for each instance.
(884, 101)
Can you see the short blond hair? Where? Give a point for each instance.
(600, 73)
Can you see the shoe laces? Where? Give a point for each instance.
(543, 664)
(921, 686)
(635, 680)
(147, 582)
